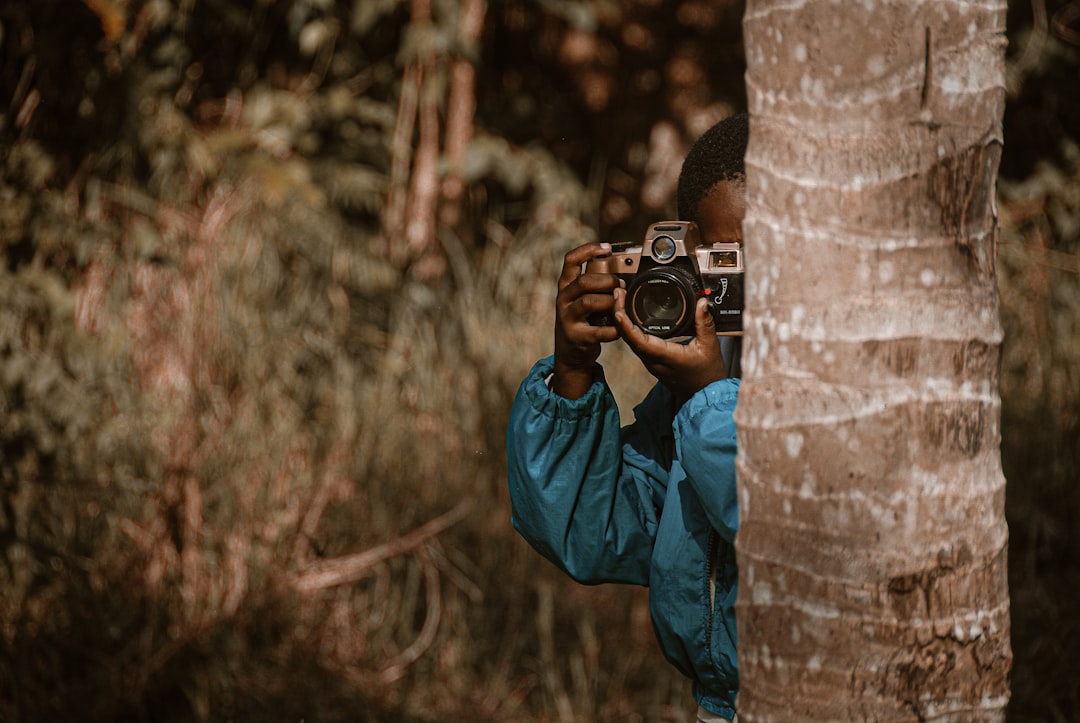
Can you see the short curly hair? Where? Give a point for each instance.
(718, 155)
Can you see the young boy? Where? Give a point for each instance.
(653, 503)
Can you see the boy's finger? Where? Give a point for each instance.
(630, 332)
(704, 322)
(644, 345)
(604, 334)
(598, 283)
(576, 257)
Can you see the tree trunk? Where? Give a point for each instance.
(872, 548)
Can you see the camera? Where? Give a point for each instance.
(667, 273)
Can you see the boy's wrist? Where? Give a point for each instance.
(572, 382)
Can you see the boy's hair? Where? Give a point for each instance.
(718, 155)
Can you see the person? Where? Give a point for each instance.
(653, 503)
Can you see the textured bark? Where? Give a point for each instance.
(872, 547)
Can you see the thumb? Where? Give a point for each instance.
(704, 323)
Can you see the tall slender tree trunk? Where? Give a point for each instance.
(872, 548)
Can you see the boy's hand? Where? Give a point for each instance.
(683, 368)
(577, 342)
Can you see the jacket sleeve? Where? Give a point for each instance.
(584, 493)
(705, 443)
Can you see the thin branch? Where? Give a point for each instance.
(460, 110)
(401, 154)
(424, 193)
(350, 568)
(396, 668)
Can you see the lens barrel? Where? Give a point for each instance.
(661, 301)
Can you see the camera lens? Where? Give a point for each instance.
(661, 301)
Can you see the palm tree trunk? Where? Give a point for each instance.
(872, 547)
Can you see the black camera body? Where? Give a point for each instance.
(666, 275)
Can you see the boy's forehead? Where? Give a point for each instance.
(729, 187)
(726, 197)
(721, 212)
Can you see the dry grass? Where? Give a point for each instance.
(1039, 278)
(278, 487)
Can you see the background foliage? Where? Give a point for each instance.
(262, 318)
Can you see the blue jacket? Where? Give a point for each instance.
(650, 504)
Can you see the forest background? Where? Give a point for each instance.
(270, 272)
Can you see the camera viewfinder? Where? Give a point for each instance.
(724, 260)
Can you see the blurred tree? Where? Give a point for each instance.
(872, 550)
